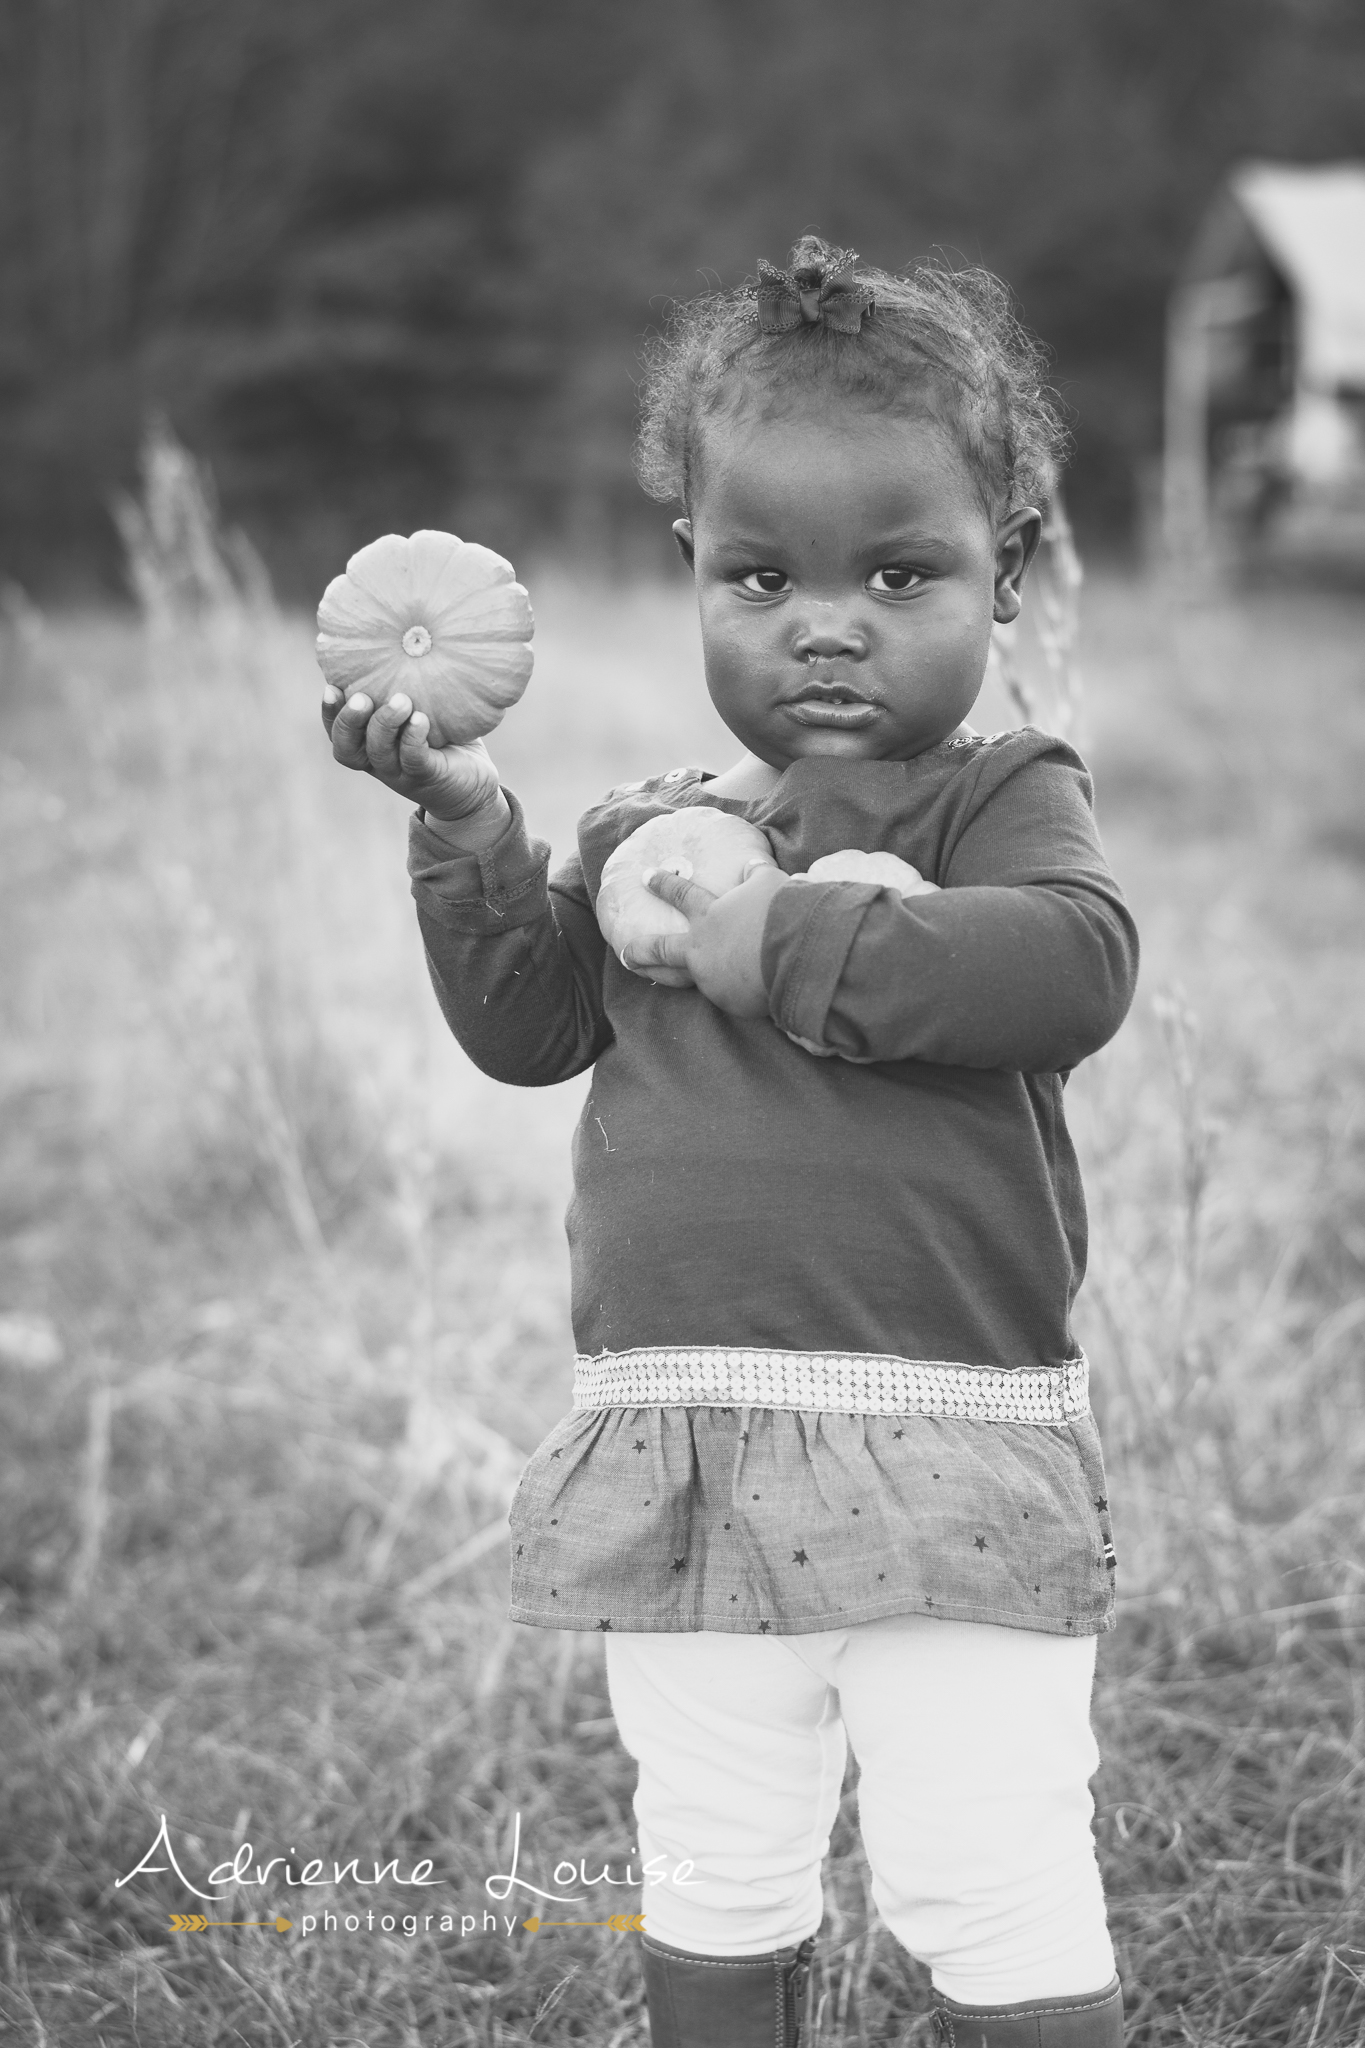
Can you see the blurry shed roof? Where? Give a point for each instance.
(1310, 221)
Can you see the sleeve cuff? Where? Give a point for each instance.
(492, 891)
(807, 936)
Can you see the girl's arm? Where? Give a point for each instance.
(516, 961)
(1025, 960)
(515, 957)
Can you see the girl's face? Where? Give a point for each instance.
(848, 576)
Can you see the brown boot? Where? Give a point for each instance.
(1094, 2021)
(728, 2001)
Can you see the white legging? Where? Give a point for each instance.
(975, 1752)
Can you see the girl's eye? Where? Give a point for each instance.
(766, 582)
(896, 576)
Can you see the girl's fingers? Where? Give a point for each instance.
(331, 704)
(672, 951)
(413, 751)
(381, 735)
(348, 732)
(644, 955)
(688, 897)
(421, 764)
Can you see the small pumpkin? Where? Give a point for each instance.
(442, 619)
(885, 870)
(701, 844)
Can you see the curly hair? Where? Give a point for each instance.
(948, 337)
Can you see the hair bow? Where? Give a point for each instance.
(817, 288)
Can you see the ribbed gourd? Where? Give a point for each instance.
(700, 843)
(439, 618)
(886, 870)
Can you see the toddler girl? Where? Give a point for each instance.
(831, 1477)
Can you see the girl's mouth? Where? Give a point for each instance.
(831, 704)
(845, 713)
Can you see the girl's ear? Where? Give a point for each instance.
(682, 534)
(1016, 543)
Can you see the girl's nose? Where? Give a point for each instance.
(827, 630)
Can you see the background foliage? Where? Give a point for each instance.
(284, 1306)
(389, 265)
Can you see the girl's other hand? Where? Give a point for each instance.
(456, 785)
(723, 945)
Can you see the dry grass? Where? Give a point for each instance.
(308, 1277)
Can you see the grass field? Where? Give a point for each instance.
(284, 1290)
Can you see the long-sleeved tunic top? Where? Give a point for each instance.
(821, 1304)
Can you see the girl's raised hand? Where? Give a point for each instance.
(452, 783)
(722, 947)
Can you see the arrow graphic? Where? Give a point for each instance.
(195, 1923)
(620, 1923)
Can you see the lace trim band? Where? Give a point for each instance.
(842, 1383)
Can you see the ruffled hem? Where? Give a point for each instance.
(758, 1521)
(949, 1611)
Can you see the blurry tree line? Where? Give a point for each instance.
(387, 262)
